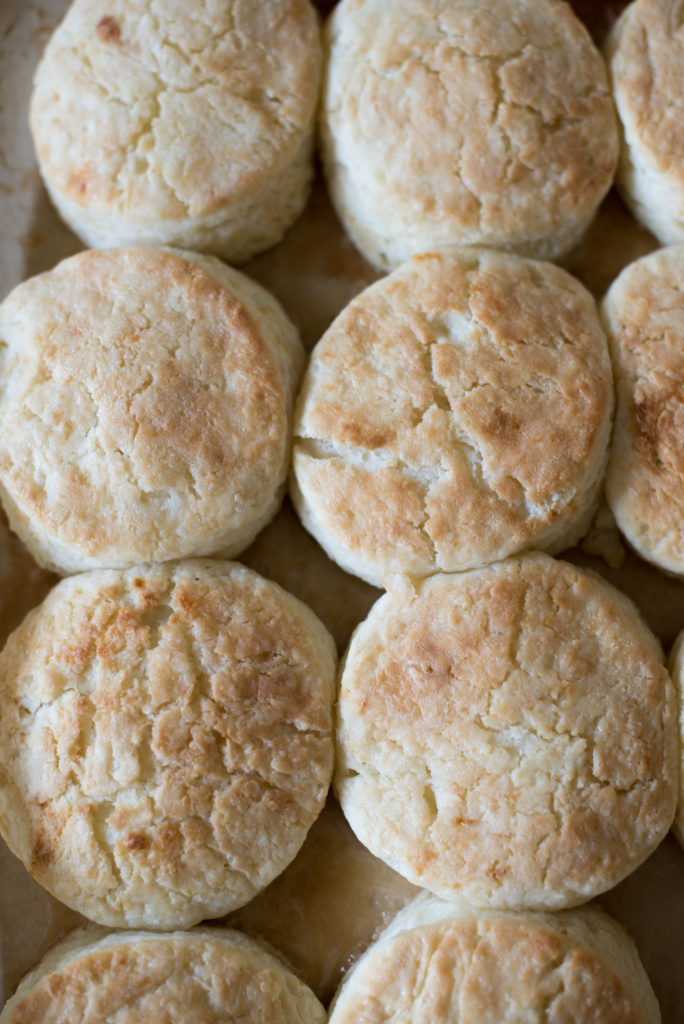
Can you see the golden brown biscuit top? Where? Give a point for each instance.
(508, 735)
(166, 739)
(644, 317)
(454, 413)
(646, 56)
(492, 969)
(493, 116)
(142, 410)
(198, 977)
(175, 110)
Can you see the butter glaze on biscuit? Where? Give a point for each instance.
(165, 740)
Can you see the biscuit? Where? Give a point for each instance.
(145, 408)
(645, 54)
(440, 962)
(189, 125)
(165, 740)
(286, 553)
(462, 123)
(508, 735)
(643, 315)
(456, 412)
(676, 663)
(328, 905)
(203, 976)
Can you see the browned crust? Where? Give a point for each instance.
(166, 740)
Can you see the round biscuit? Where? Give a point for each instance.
(145, 408)
(442, 962)
(203, 976)
(508, 735)
(461, 123)
(456, 412)
(185, 125)
(165, 739)
(645, 54)
(643, 314)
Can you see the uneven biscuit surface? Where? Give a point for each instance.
(204, 976)
(166, 740)
(465, 124)
(145, 401)
(645, 54)
(508, 735)
(644, 318)
(179, 125)
(456, 412)
(443, 963)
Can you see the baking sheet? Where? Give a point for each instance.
(314, 272)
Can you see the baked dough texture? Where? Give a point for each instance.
(145, 408)
(165, 740)
(464, 123)
(203, 976)
(456, 412)
(448, 964)
(644, 318)
(179, 124)
(645, 53)
(508, 735)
